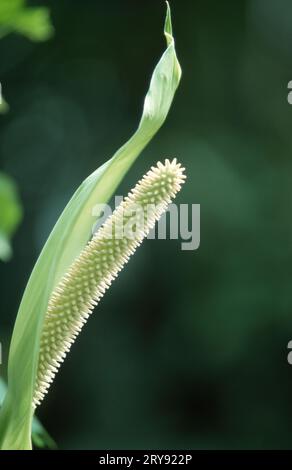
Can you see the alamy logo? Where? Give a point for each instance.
(179, 222)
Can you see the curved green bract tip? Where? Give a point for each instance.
(168, 25)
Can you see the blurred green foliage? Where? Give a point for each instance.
(10, 214)
(32, 22)
(189, 349)
(4, 107)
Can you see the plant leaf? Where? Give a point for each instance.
(68, 238)
(40, 437)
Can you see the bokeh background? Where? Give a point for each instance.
(189, 348)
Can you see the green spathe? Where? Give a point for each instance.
(68, 238)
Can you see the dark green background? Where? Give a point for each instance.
(188, 349)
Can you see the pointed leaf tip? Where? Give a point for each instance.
(168, 25)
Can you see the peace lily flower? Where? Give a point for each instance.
(71, 275)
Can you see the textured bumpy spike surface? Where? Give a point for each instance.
(98, 264)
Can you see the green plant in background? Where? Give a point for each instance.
(10, 214)
(4, 107)
(66, 243)
(32, 22)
